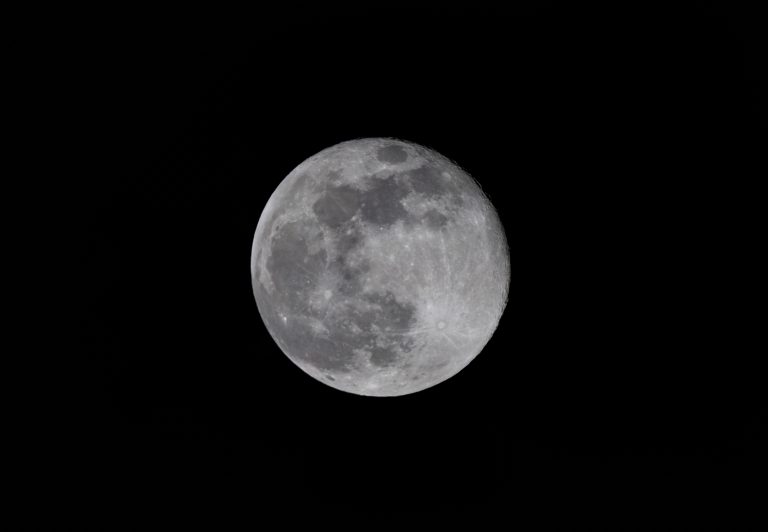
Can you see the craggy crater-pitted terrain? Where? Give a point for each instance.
(379, 267)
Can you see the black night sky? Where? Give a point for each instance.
(622, 149)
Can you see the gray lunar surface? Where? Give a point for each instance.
(379, 267)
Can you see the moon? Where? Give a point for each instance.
(379, 267)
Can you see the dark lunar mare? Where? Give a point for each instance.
(435, 220)
(381, 204)
(292, 267)
(337, 205)
(428, 180)
(392, 154)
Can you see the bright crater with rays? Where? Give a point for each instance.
(379, 267)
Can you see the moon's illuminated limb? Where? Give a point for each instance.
(379, 267)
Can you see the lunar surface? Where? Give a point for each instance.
(379, 267)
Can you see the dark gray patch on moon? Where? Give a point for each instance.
(349, 239)
(435, 220)
(429, 181)
(337, 205)
(380, 205)
(392, 315)
(382, 357)
(426, 179)
(351, 282)
(383, 202)
(392, 154)
(393, 318)
(291, 266)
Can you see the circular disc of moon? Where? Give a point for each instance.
(379, 267)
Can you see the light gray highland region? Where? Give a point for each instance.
(379, 267)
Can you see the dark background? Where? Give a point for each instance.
(623, 151)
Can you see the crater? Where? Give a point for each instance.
(391, 154)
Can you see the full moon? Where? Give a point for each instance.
(379, 267)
